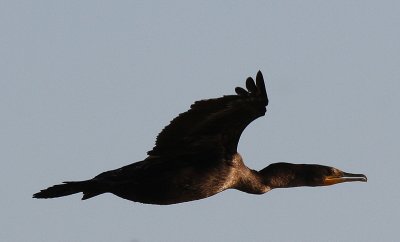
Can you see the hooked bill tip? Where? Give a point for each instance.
(355, 177)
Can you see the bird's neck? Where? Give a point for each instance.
(283, 175)
(252, 182)
(246, 179)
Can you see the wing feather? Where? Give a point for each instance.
(213, 126)
(250, 85)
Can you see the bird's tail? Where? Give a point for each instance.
(90, 188)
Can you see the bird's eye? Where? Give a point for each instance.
(335, 171)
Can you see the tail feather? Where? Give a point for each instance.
(90, 188)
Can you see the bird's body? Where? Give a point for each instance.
(154, 181)
(196, 156)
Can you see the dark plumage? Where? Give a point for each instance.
(195, 157)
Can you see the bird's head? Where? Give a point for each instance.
(280, 175)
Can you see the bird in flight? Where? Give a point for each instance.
(196, 156)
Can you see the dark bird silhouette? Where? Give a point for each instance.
(196, 156)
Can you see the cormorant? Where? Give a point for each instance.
(196, 156)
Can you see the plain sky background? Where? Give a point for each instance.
(85, 87)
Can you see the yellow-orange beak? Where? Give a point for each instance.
(344, 177)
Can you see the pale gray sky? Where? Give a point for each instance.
(85, 86)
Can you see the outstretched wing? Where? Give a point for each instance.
(213, 126)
